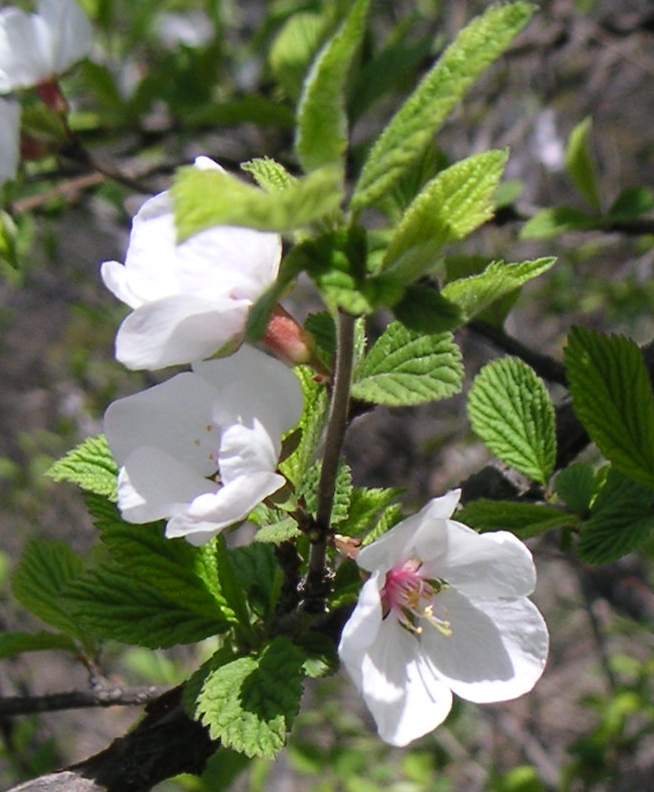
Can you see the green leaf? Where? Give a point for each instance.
(397, 200)
(424, 310)
(366, 507)
(207, 198)
(612, 396)
(268, 174)
(46, 568)
(250, 703)
(404, 368)
(293, 49)
(91, 466)
(258, 575)
(281, 531)
(321, 119)
(261, 311)
(342, 492)
(450, 206)
(475, 294)
(511, 411)
(391, 516)
(575, 486)
(421, 116)
(321, 656)
(622, 519)
(549, 223)
(111, 602)
(522, 519)
(15, 643)
(323, 329)
(631, 204)
(580, 165)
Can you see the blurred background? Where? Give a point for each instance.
(168, 80)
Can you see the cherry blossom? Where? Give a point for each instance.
(444, 611)
(37, 48)
(190, 301)
(201, 449)
(9, 139)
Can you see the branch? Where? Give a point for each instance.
(510, 214)
(78, 699)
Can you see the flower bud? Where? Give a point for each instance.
(288, 340)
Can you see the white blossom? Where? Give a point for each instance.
(190, 300)
(35, 48)
(444, 611)
(9, 139)
(201, 449)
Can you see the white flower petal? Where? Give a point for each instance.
(9, 139)
(179, 329)
(362, 627)
(152, 484)
(69, 30)
(244, 450)
(491, 565)
(174, 417)
(497, 649)
(23, 61)
(115, 278)
(404, 697)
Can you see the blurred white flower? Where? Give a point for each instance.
(190, 300)
(201, 449)
(444, 611)
(193, 29)
(35, 48)
(547, 144)
(9, 139)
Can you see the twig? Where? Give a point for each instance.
(315, 587)
(77, 699)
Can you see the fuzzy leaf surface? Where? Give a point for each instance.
(579, 163)
(270, 175)
(91, 466)
(522, 519)
(575, 486)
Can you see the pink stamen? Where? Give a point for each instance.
(410, 596)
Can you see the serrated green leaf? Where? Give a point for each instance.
(321, 656)
(421, 116)
(278, 532)
(575, 486)
(549, 223)
(91, 466)
(293, 49)
(112, 603)
(632, 203)
(405, 368)
(579, 163)
(390, 517)
(342, 492)
(321, 119)
(475, 294)
(250, 703)
(424, 310)
(45, 570)
(268, 174)
(311, 426)
(15, 643)
(511, 411)
(507, 193)
(366, 507)
(207, 198)
(258, 575)
(397, 200)
(323, 328)
(622, 518)
(522, 519)
(450, 206)
(261, 311)
(612, 396)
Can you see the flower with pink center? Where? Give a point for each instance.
(444, 611)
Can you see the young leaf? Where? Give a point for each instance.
(206, 198)
(321, 119)
(281, 531)
(522, 519)
(91, 466)
(250, 703)
(421, 116)
(404, 368)
(511, 411)
(342, 495)
(450, 206)
(46, 568)
(295, 45)
(425, 310)
(475, 294)
(15, 643)
(258, 575)
(366, 507)
(612, 396)
(575, 486)
(631, 204)
(580, 165)
(268, 174)
(261, 311)
(549, 223)
(622, 518)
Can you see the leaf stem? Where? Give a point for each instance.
(316, 587)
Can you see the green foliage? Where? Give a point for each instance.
(421, 116)
(249, 704)
(425, 310)
(321, 119)
(631, 204)
(15, 643)
(45, 571)
(575, 486)
(293, 49)
(390, 517)
(580, 165)
(511, 411)
(323, 328)
(366, 508)
(475, 294)
(612, 396)
(621, 519)
(268, 174)
(558, 220)
(522, 519)
(259, 576)
(450, 206)
(282, 530)
(406, 368)
(91, 466)
(342, 493)
(206, 198)
(261, 311)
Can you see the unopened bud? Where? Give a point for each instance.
(288, 340)
(51, 94)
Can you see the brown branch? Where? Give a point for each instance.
(77, 699)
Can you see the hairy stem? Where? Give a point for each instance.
(77, 699)
(316, 583)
